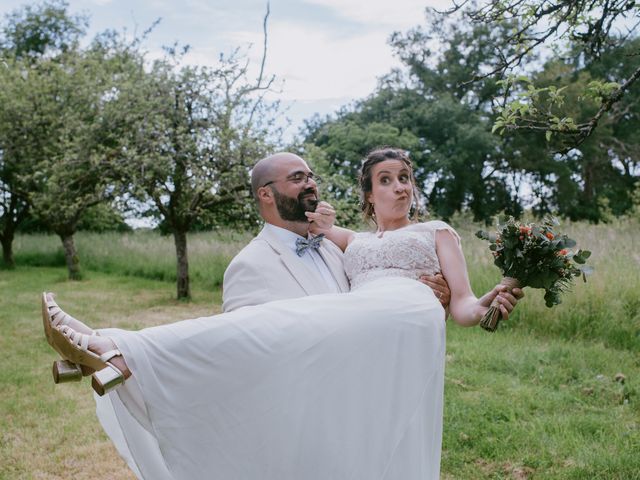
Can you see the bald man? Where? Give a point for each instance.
(272, 266)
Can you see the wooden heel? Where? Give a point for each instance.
(106, 379)
(65, 371)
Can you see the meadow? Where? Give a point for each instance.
(554, 394)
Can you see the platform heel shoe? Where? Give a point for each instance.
(53, 316)
(74, 347)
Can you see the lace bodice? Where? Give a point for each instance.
(407, 252)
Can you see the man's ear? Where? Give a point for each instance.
(265, 195)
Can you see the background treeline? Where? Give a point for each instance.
(499, 115)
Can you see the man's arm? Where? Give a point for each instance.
(243, 285)
(439, 286)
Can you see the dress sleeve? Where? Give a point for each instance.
(436, 225)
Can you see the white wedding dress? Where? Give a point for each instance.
(326, 387)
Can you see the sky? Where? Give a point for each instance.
(325, 53)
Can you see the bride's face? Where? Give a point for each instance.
(391, 190)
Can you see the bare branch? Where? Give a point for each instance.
(264, 50)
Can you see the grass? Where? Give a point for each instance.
(143, 254)
(552, 395)
(49, 431)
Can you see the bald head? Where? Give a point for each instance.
(269, 169)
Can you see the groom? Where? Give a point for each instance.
(270, 267)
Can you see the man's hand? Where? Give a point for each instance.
(322, 219)
(507, 300)
(439, 286)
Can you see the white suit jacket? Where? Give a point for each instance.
(267, 270)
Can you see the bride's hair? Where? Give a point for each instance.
(376, 156)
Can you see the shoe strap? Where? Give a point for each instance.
(106, 356)
(79, 339)
(59, 317)
(82, 341)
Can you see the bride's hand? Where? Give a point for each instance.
(507, 300)
(322, 219)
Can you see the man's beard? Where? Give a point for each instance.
(292, 209)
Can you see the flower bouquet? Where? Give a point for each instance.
(535, 256)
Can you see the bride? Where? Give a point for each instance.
(332, 386)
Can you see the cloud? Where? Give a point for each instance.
(400, 14)
(314, 63)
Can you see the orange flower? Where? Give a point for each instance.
(525, 230)
(564, 251)
(549, 235)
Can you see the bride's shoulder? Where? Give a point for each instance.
(435, 225)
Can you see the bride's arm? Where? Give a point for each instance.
(322, 221)
(465, 308)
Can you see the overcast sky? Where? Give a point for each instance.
(327, 52)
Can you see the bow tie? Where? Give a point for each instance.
(303, 244)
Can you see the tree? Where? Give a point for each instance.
(41, 30)
(459, 164)
(76, 99)
(14, 159)
(194, 133)
(594, 26)
(27, 35)
(598, 178)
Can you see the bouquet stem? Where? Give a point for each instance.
(491, 319)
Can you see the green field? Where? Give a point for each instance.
(554, 394)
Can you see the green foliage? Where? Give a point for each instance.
(32, 31)
(446, 121)
(458, 162)
(89, 125)
(103, 218)
(590, 28)
(194, 133)
(62, 135)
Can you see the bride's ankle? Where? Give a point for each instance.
(102, 344)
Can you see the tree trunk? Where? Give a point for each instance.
(180, 239)
(71, 257)
(7, 250)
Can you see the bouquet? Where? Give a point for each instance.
(535, 256)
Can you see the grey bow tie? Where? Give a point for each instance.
(302, 244)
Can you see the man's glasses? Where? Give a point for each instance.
(298, 178)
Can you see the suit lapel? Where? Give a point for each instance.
(310, 281)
